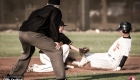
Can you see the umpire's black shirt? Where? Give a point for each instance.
(45, 20)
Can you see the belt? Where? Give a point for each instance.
(112, 58)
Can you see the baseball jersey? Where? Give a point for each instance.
(64, 39)
(121, 47)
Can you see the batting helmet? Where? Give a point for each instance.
(125, 27)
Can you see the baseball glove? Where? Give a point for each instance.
(83, 51)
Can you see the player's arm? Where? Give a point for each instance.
(74, 48)
(125, 51)
(82, 51)
(122, 62)
(66, 40)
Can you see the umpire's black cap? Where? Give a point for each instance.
(55, 2)
(62, 23)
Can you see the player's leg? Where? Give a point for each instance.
(42, 68)
(66, 50)
(45, 59)
(83, 61)
(47, 67)
(100, 60)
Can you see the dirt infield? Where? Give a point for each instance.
(131, 66)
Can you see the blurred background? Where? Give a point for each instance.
(79, 15)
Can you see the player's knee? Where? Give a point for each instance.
(65, 47)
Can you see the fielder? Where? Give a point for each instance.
(66, 45)
(116, 56)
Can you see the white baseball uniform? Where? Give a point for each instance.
(110, 60)
(47, 66)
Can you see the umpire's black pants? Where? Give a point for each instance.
(29, 41)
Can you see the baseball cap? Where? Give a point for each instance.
(62, 23)
(55, 2)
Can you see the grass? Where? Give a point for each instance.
(10, 45)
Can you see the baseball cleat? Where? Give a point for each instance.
(30, 69)
(69, 66)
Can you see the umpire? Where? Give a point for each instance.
(41, 30)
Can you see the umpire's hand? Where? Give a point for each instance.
(58, 46)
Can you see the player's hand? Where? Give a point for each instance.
(83, 51)
(117, 69)
(58, 46)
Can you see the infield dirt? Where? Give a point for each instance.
(132, 65)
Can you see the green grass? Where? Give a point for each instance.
(10, 45)
(105, 76)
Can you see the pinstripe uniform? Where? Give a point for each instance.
(110, 60)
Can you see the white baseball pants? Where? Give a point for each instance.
(99, 60)
(47, 66)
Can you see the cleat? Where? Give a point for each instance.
(30, 69)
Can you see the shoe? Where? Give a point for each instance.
(9, 77)
(70, 66)
(76, 63)
(30, 69)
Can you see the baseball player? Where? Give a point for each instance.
(116, 56)
(66, 45)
